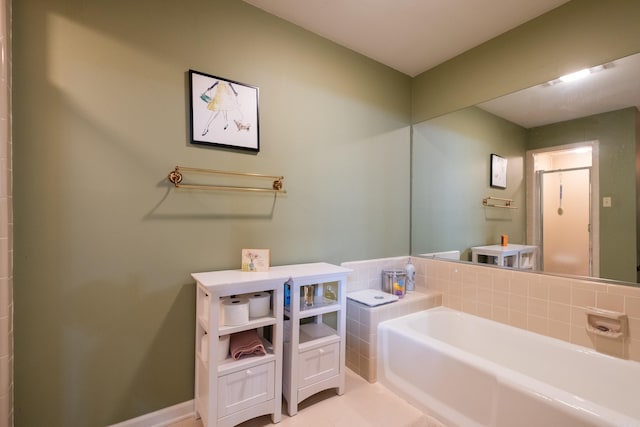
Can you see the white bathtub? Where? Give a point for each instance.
(469, 371)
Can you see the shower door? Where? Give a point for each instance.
(565, 203)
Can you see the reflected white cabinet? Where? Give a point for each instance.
(515, 256)
(227, 391)
(315, 328)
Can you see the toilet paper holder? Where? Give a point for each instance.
(606, 323)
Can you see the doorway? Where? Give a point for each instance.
(562, 222)
(565, 200)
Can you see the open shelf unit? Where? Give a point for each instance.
(314, 342)
(514, 256)
(229, 392)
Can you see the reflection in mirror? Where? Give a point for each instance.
(564, 213)
(579, 211)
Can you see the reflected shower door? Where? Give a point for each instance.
(565, 201)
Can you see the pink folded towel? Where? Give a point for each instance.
(244, 343)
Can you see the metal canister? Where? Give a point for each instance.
(394, 281)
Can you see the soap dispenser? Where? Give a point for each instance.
(410, 271)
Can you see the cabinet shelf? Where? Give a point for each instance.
(314, 331)
(311, 333)
(254, 323)
(229, 365)
(319, 336)
(320, 305)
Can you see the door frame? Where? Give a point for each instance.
(533, 215)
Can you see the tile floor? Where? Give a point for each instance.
(362, 405)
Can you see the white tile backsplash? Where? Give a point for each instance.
(548, 305)
(362, 334)
(6, 222)
(367, 274)
(362, 320)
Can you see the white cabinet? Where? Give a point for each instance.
(515, 256)
(315, 327)
(246, 388)
(228, 391)
(318, 364)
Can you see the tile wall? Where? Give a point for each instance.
(362, 321)
(6, 222)
(362, 328)
(552, 306)
(367, 274)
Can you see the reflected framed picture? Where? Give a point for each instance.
(224, 113)
(498, 171)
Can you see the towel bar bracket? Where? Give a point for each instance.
(175, 177)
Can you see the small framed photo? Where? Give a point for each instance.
(255, 260)
(223, 112)
(498, 171)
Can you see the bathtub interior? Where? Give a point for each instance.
(467, 370)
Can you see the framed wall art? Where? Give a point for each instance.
(224, 113)
(498, 171)
(255, 260)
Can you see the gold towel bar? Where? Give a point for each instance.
(175, 176)
(506, 205)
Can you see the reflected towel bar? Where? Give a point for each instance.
(506, 205)
(175, 177)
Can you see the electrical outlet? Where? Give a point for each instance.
(606, 202)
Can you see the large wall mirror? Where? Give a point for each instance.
(571, 147)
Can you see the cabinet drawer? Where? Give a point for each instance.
(245, 388)
(318, 364)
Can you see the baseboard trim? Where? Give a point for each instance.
(161, 417)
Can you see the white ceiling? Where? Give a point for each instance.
(410, 36)
(613, 88)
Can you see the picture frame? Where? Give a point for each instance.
(223, 112)
(498, 172)
(256, 260)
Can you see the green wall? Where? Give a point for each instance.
(104, 246)
(451, 170)
(616, 133)
(576, 35)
